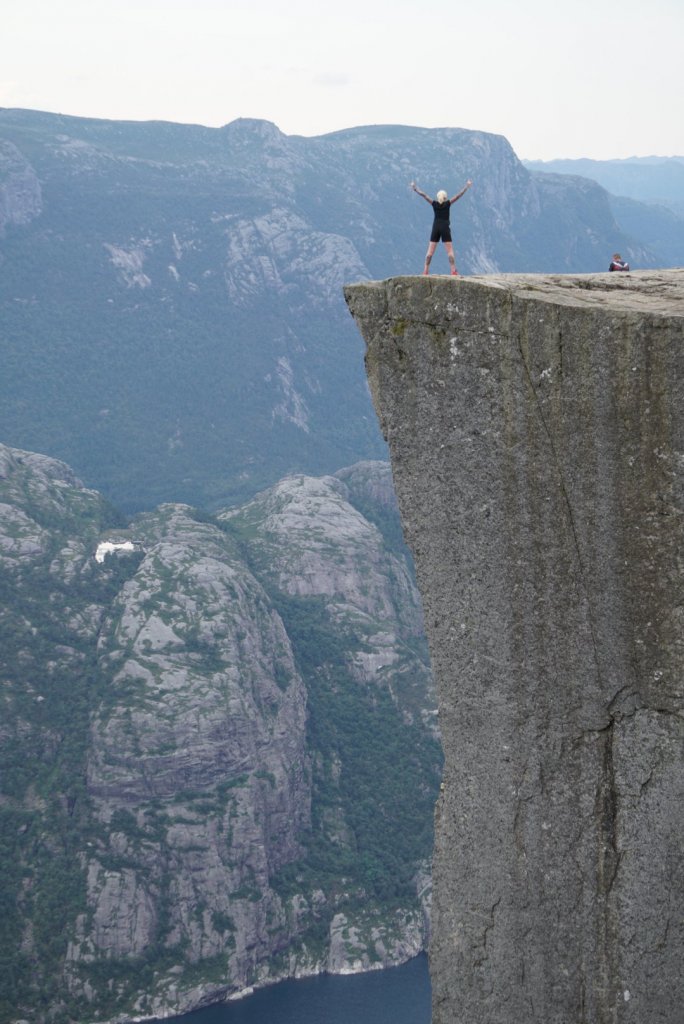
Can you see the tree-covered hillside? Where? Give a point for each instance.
(172, 320)
(218, 755)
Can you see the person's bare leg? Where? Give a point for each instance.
(430, 253)
(452, 259)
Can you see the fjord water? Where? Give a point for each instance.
(398, 995)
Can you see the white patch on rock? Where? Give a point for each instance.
(292, 408)
(107, 547)
(480, 262)
(129, 262)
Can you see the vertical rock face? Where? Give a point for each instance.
(536, 430)
(203, 726)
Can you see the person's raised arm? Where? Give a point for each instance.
(462, 192)
(421, 193)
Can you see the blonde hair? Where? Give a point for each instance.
(442, 196)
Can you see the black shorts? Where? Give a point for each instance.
(441, 231)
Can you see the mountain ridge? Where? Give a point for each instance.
(171, 296)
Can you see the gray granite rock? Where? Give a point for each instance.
(158, 771)
(536, 430)
(20, 192)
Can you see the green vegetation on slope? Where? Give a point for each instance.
(45, 820)
(375, 778)
(76, 752)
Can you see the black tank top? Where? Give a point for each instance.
(442, 210)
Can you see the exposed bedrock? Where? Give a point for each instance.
(536, 431)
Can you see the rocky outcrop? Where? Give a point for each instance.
(197, 766)
(200, 788)
(536, 430)
(20, 192)
(310, 540)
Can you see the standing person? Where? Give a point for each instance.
(617, 262)
(441, 228)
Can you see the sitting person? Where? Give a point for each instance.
(617, 262)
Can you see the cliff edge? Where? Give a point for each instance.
(536, 432)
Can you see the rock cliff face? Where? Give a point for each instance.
(201, 787)
(536, 430)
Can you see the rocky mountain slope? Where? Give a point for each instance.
(646, 198)
(217, 749)
(171, 295)
(658, 180)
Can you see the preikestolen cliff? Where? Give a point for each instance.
(219, 742)
(536, 431)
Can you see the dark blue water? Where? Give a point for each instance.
(399, 995)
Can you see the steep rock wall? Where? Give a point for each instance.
(536, 430)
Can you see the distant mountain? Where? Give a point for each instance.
(172, 321)
(653, 179)
(218, 760)
(658, 227)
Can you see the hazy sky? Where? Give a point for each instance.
(585, 78)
